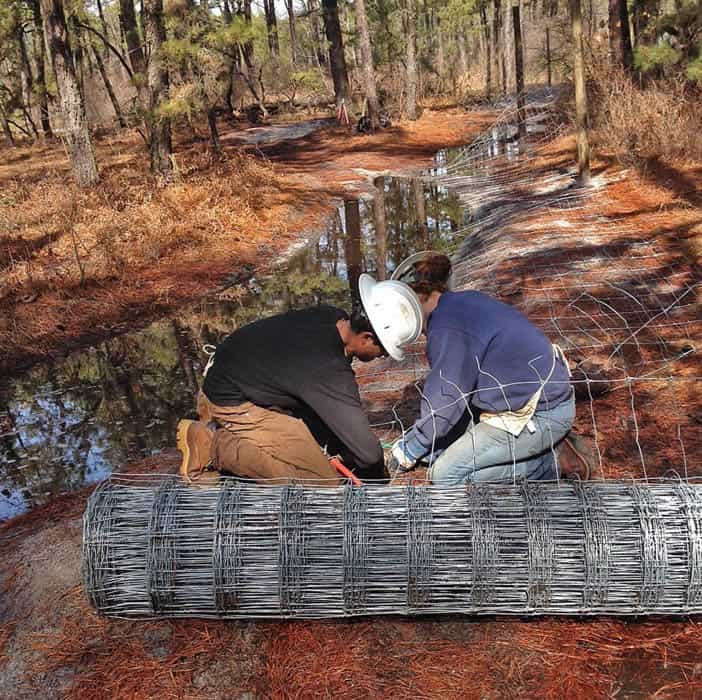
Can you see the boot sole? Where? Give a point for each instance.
(182, 442)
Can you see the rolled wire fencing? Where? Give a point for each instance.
(161, 548)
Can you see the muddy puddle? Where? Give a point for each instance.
(75, 420)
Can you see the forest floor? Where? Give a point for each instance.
(52, 644)
(78, 266)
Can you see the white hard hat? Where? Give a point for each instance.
(394, 311)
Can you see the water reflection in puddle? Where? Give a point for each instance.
(75, 420)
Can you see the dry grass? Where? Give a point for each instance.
(61, 237)
(657, 120)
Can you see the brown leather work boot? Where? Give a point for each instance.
(576, 457)
(195, 441)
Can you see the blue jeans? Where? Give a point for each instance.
(486, 453)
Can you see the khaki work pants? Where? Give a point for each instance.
(261, 444)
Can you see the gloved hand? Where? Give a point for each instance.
(398, 461)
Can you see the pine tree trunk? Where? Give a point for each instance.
(214, 134)
(130, 30)
(352, 247)
(31, 126)
(157, 74)
(462, 53)
(317, 38)
(103, 25)
(488, 52)
(6, 128)
(440, 54)
(638, 21)
(548, 56)
(137, 59)
(380, 221)
(244, 63)
(291, 28)
(420, 211)
(77, 45)
(507, 42)
(108, 86)
(250, 78)
(26, 82)
(253, 81)
(227, 12)
(26, 89)
(411, 60)
(519, 70)
(496, 37)
(40, 47)
(271, 28)
(249, 45)
(583, 144)
(234, 69)
(337, 60)
(627, 50)
(367, 68)
(619, 34)
(75, 124)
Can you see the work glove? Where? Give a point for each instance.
(398, 460)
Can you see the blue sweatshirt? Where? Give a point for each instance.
(483, 355)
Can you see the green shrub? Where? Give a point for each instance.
(649, 58)
(694, 70)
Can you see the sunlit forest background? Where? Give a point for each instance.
(81, 68)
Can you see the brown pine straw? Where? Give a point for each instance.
(438, 657)
(6, 632)
(121, 659)
(450, 658)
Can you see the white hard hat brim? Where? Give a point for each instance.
(368, 289)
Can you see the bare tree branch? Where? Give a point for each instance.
(109, 46)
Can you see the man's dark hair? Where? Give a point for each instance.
(360, 323)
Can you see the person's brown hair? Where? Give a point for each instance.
(431, 275)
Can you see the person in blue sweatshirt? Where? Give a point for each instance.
(497, 400)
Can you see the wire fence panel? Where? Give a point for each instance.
(619, 296)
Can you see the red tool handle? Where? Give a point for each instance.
(336, 463)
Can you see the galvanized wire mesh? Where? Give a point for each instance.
(154, 547)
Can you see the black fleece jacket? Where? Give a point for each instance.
(295, 362)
